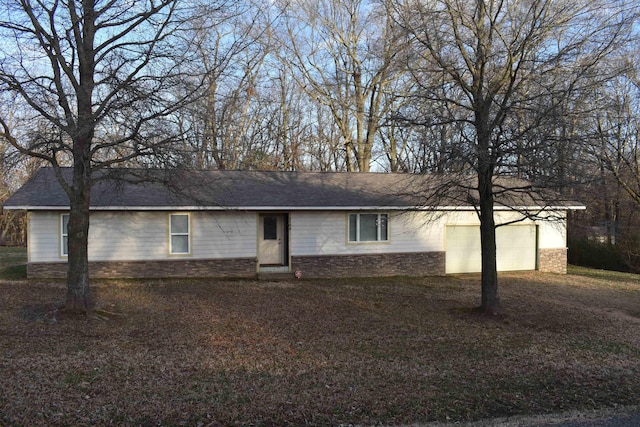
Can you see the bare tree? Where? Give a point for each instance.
(100, 77)
(613, 136)
(344, 54)
(233, 54)
(497, 59)
(15, 169)
(617, 127)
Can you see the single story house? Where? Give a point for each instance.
(186, 223)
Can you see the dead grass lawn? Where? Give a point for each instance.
(391, 351)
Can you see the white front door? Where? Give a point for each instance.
(271, 239)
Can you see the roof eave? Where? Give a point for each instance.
(296, 208)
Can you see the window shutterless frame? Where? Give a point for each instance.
(64, 235)
(368, 227)
(179, 234)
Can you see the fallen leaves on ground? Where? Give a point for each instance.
(361, 351)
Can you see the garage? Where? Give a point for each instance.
(516, 248)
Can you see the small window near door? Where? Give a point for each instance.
(366, 227)
(179, 231)
(270, 228)
(64, 235)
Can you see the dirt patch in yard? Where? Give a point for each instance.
(361, 351)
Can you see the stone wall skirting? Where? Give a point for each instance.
(361, 265)
(223, 268)
(552, 260)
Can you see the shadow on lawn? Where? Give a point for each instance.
(47, 313)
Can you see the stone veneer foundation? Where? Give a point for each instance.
(410, 264)
(232, 268)
(552, 260)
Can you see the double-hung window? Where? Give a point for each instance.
(368, 227)
(64, 235)
(179, 234)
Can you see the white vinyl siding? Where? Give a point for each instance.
(368, 227)
(326, 233)
(179, 234)
(552, 234)
(44, 237)
(224, 234)
(138, 236)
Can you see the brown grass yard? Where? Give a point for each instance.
(391, 351)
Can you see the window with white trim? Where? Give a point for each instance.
(368, 227)
(179, 234)
(64, 234)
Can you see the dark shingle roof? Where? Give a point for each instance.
(157, 189)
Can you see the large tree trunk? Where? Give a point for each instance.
(490, 301)
(78, 292)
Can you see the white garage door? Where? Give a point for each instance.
(516, 248)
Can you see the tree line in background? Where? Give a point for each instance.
(542, 90)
